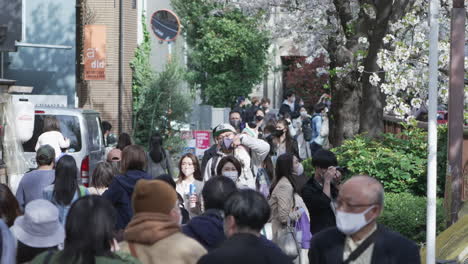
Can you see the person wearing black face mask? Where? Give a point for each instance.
(283, 140)
(235, 120)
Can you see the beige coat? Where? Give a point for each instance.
(281, 202)
(174, 249)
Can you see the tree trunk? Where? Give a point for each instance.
(372, 106)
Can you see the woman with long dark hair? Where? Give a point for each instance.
(65, 189)
(88, 235)
(159, 160)
(286, 205)
(9, 207)
(124, 140)
(121, 188)
(283, 140)
(190, 175)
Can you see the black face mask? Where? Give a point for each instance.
(235, 123)
(277, 133)
(259, 118)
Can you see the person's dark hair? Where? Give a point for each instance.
(259, 110)
(196, 166)
(106, 126)
(51, 123)
(265, 100)
(269, 128)
(289, 93)
(227, 159)
(25, 253)
(233, 112)
(249, 208)
(318, 108)
(89, 230)
(66, 183)
(156, 151)
(103, 175)
(124, 140)
(323, 159)
(284, 168)
(44, 160)
(133, 158)
(216, 191)
(168, 179)
(9, 207)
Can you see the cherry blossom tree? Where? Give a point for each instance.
(377, 51)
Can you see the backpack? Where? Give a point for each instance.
(307, 129)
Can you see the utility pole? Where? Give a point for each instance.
(432, 132)
(456, 107)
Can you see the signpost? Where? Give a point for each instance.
(94, 52)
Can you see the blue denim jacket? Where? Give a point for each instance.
(316, 127)
(63, 209)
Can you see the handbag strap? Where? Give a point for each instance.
(361, 248)
(132, 248)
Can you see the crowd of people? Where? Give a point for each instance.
(248, 200)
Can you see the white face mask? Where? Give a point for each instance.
(299, 169)
(188, 171)
(303, 113)
(231, 175)
(350, 223)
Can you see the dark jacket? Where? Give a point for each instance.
(208, 154)
(389, 248)
(207, 229)
(285, 108)
(319, 205)
(245, 249)
(120, 194)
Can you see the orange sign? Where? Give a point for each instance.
(94, 52)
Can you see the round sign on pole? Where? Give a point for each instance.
(165, 25)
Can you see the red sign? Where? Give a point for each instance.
(202, 139)
(94, 52)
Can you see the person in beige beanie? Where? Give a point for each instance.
(153, 235)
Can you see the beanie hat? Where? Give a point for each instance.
(153, 196)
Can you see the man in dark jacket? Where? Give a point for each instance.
(290, 106)
(208, 228)
(321, 190)
(357, 237)
(247, 211)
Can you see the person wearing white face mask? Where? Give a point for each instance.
(357, 238)
(190, 175)
(229, 167)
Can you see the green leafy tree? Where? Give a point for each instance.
(162, 105)
(158, 100)
(228, 50)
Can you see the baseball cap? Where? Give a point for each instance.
(223, 128)
(45, 154)
(114, 155)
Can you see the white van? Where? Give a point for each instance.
(82, 127)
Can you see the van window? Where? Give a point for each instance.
(95, 138)
(69, 126)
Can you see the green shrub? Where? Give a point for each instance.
(406, 214)
(398, 161)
